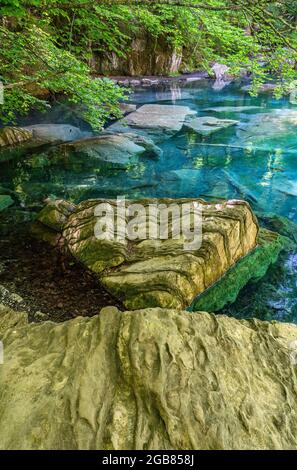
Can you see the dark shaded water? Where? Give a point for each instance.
(255, 160)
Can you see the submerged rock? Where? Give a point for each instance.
(111, 148)
(14, 135)
(147, 379)
(269, 131)
(157, 120)
(56, 132)
(208, 124)
(280, 224)
(147, 272)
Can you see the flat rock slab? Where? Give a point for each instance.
(118, 149)
(56, 132)
(148, 273)
(208, 124)
(147, 379)
(157, 120)
(127, 108)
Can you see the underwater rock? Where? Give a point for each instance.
(14, 136)
(232, 109)
(157, 120)
(5, 202)
(207, 125)
(147, 272)
(147, 379)
(279, 224)
(250, 268)
(115, 149)
(269, 130)
(56, 132)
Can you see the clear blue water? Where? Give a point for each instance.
(255, 160)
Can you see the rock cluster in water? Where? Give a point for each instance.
(160, 377)
(163, 273)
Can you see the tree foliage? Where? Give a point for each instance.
(49, 44)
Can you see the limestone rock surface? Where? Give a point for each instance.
(153, 272)
(14, 136)
(148, 379)
(207, 125)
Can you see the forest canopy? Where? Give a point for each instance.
(48, 45)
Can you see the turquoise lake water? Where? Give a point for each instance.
(255, 160)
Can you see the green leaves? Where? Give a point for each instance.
(49, 45)
(33, 63)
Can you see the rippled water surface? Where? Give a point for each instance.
(255, 160)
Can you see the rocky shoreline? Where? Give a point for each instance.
(157, 80)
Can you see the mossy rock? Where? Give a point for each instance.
(250, 268)
(279, 224)
(5, 202)
(154, 272)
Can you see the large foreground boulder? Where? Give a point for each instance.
(268, 131)
(149, 379)
(154, 272)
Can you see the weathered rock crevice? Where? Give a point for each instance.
(147, 379)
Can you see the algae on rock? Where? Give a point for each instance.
(5, 202)
(250, 268)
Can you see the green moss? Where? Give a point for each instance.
(5, 201)
(250, 268)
